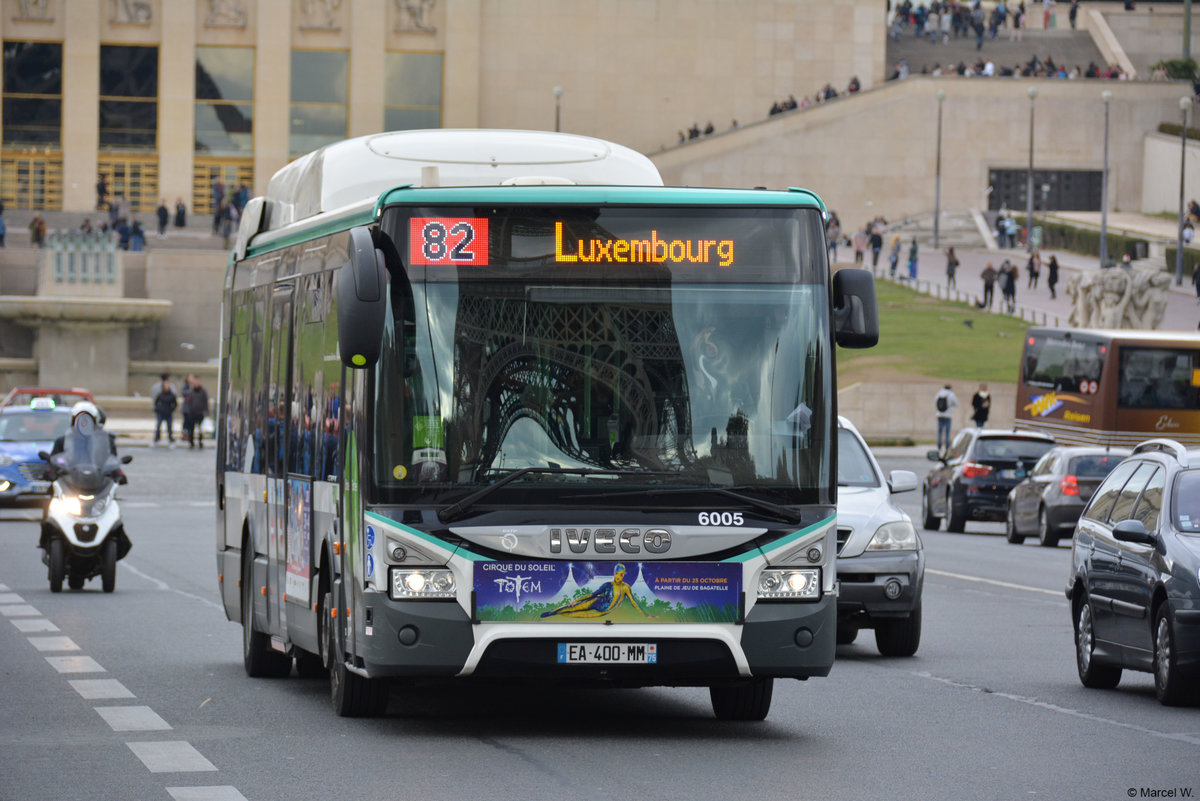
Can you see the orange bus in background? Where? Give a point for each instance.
(1110, 387)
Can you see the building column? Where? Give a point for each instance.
(368, 29)
(460, 89)
(272, 89)
(177, 100)
(81, 105)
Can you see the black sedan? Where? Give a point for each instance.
(1050, 500)
(976, 474)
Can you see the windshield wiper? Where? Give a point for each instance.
(776, 510)
(457, 509)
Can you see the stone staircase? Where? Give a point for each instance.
(196, 235)
(1066, 47)
(957, 228)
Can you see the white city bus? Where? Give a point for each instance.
(499, 404)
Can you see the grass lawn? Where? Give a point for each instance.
(921, 335)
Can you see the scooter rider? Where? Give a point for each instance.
(97, 424)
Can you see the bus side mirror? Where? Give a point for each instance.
(362, 301)
(855, 314)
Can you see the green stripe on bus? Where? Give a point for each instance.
(427, 537)
(785, 541)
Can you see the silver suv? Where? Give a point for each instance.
(881, 561)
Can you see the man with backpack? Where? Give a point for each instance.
(945, 402)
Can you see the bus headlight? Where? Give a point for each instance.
(424, 583)
(802, 584)
(897, 536)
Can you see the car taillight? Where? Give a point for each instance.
(1069, 485)
(975, 470)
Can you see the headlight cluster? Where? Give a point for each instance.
(800, 584)
(80, 505)
(897, 536)
(410, 583)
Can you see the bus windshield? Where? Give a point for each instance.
(1159, 378)
(687, 347)
(1062, 362)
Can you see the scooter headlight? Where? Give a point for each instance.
(66, 504)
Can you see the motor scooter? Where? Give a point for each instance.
(83, 535)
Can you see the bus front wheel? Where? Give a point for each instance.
(746, 700)
(353, 696)
(259, 659)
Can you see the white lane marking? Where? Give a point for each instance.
(171, 756)
(75, 664)
(19, 610)
(54, 643)
(164, 586)
(26, 625)
(132, 718)
(995, 583)
(201, 504)
(140, 504)
(218, 793)
(1191, 739)
(11, 598)
(100, 689)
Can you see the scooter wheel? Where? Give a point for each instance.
(108, 565)
(58, 564)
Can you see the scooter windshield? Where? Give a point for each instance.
(87, 455)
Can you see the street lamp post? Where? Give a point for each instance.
(1106, 96)
(1185, 105)
(558, 90)
(937, 181)
(1033, 93)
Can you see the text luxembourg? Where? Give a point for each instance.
(644, 251)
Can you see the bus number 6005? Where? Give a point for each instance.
(720, 518)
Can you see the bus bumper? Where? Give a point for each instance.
(430, 639)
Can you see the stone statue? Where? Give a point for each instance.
(320, 14)
(1118, 298)
(225, 14)
(34, 11)
(132, 12)
(414, 16)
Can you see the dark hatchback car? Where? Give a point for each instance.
(1134, 586)
(975, 475)
(1047, 504)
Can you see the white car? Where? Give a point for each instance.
(881, 561)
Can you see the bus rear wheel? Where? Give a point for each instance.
(746, 700)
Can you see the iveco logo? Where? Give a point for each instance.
(608, 540)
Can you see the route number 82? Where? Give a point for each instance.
(448, 240)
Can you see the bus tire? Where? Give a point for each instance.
(258, 658)
(899, 636)
(1046, 537)
(956, 521)
(746, 700)
(353, 696)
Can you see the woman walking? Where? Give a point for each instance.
(912, 260)
(951, 268)
(1052, 276)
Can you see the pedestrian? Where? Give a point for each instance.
(1074, 12)
(894, 257)
(859, 240)
(981, 404)
(185, 389)
(1127, 262)
(833, 230)
(164, 216)
(951, 268)
(945, 402)
(1034, 268)
(912, 260)
(1052, 276)
(101, 193)
(137, 236)
(876, 240)
(1196, 280)
(989, 286)
(180, 213)
(37, 230)
(3, 229)
(165, 402)
(1008, 285)
(195, 409)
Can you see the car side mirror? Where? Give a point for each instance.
(902, 481)
(934, 456)
(45, 457)
(126, 459)
(1132, 530)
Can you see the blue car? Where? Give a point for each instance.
(24, 431)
